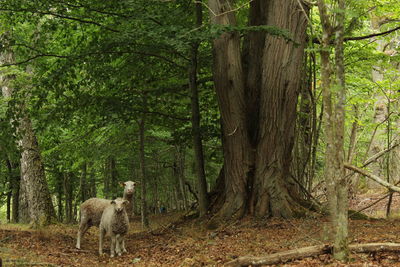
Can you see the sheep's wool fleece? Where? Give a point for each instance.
(93, 208)
(118, 222)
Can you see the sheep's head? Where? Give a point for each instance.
(119, 204)
(129, 187)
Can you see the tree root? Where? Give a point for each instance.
(305, 252)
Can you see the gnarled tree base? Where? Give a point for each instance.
(312, 251)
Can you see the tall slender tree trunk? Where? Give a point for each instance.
(92, 181)
(196, 134)
(83, 183)
(181, 177)
(113, 177)
(68, 191)
(142, 160)
(107, 180)
(307, 130)
(15, 180)
(334, 94)
(59, 176)
(257, 95)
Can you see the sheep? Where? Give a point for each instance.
(115, 223)
(92, 209)
(91, 212)
(129, 191)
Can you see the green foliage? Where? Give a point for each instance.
(90, 63)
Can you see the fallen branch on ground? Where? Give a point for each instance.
(305, 252)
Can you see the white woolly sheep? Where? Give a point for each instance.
(92, 210)
(129, 191)
(115, 223)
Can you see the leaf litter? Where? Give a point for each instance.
(188, 243)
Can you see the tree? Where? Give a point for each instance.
(334, 97)
(35, 204)
(257, 93)
(195, 119)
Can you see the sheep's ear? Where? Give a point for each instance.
(122, 184)
(126, 202)
(113, 202)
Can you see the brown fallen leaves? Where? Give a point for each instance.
(190, 244)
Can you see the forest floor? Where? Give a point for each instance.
(189, 244)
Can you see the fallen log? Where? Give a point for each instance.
(281, 257)
(305, 252)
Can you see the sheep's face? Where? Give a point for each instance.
(129, 187)
(119, 205)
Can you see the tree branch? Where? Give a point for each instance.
(371, 35)
(84, 21)
(357, 38)
(373, 177)
(91, 54)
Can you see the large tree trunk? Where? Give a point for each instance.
(229, 84)
(34, 189)
(257, 98)
(282, 71)
(34, 196)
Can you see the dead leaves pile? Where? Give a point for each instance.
(190, 244)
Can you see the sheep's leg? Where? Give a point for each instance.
(113, 241)
(118, 245)
(101, 237)
(83, 227)
(123, 245)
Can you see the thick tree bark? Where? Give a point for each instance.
(257, 96)
(34, 196)
(281, 81)
(229, 84)
(33, 181)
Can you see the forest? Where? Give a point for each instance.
(208, 133)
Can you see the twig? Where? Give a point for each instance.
(223, 13)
